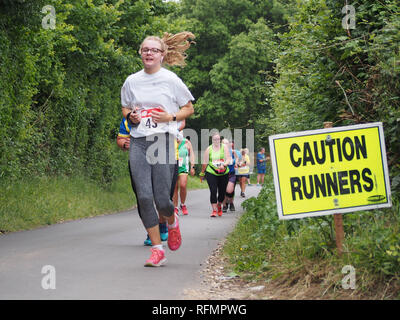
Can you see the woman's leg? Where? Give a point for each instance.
(175, 197)
(222, 183)
(164, 184)
(183, 187)
(141, 172)
(213, 186)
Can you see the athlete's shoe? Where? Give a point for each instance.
(163, 231)
(219, 210)
(231, 207)
(174, 236)
(176, 211)
(213, 214)
(225, 208)
(147, 242)
(157, 258)
(242, 194)
(184, 210)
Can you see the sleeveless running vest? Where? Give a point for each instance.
(216, 161)
(183, 157)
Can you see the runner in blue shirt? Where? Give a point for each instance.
(261, 166)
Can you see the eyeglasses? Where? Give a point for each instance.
(152, 50)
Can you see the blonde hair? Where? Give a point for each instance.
(174, 46)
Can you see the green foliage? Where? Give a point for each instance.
(241, 67)
(374, 240)
(60, 98)
(327, 73)
(263, 244)
(33, 202)
(40, 201)
(234, 47)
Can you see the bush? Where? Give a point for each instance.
(262, 245)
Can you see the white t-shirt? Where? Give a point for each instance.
(160, 90)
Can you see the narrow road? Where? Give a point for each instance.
(103, 257)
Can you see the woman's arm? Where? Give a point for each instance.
(134, 116)
(182, 125)
(184, 112)
(123, 143)
(228, 158)
(191, 157)
(204, 164)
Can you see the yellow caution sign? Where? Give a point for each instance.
(327, 171)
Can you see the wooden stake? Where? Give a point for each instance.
(338, 218)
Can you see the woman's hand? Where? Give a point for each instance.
(160, 116)
(135, 117)
(127, 144)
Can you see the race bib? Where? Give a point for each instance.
(147, 126)
(219, 164)
(244, 170)
(180, 162)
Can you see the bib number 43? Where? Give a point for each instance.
(150, 124)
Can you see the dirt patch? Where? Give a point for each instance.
(219, 284)
(216, 284)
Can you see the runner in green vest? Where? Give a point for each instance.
(215, 170)
(186, 158)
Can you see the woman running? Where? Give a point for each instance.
(186, 161)
(153, 100)
(215, 170)
(243, 172)
(123, 141)
(230, 188)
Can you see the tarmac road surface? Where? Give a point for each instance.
(103, 257)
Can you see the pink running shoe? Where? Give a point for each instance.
(157, 258)
(174, 236)
(176, 211)
(184, 210)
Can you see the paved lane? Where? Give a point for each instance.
(103, 257)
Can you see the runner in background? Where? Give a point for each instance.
(186, 165)
(261, 166)
(250, 171)
(230, 188)
(239, 159)
(243, 172)
(215, 170)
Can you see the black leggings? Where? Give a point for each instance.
(217, 184)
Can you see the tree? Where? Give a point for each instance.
(60, 88)
(216, 24)
(328, 73)
(235, 98)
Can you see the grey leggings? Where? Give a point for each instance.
(153, 181)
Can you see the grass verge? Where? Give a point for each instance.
(297, 259)
(36, 202)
